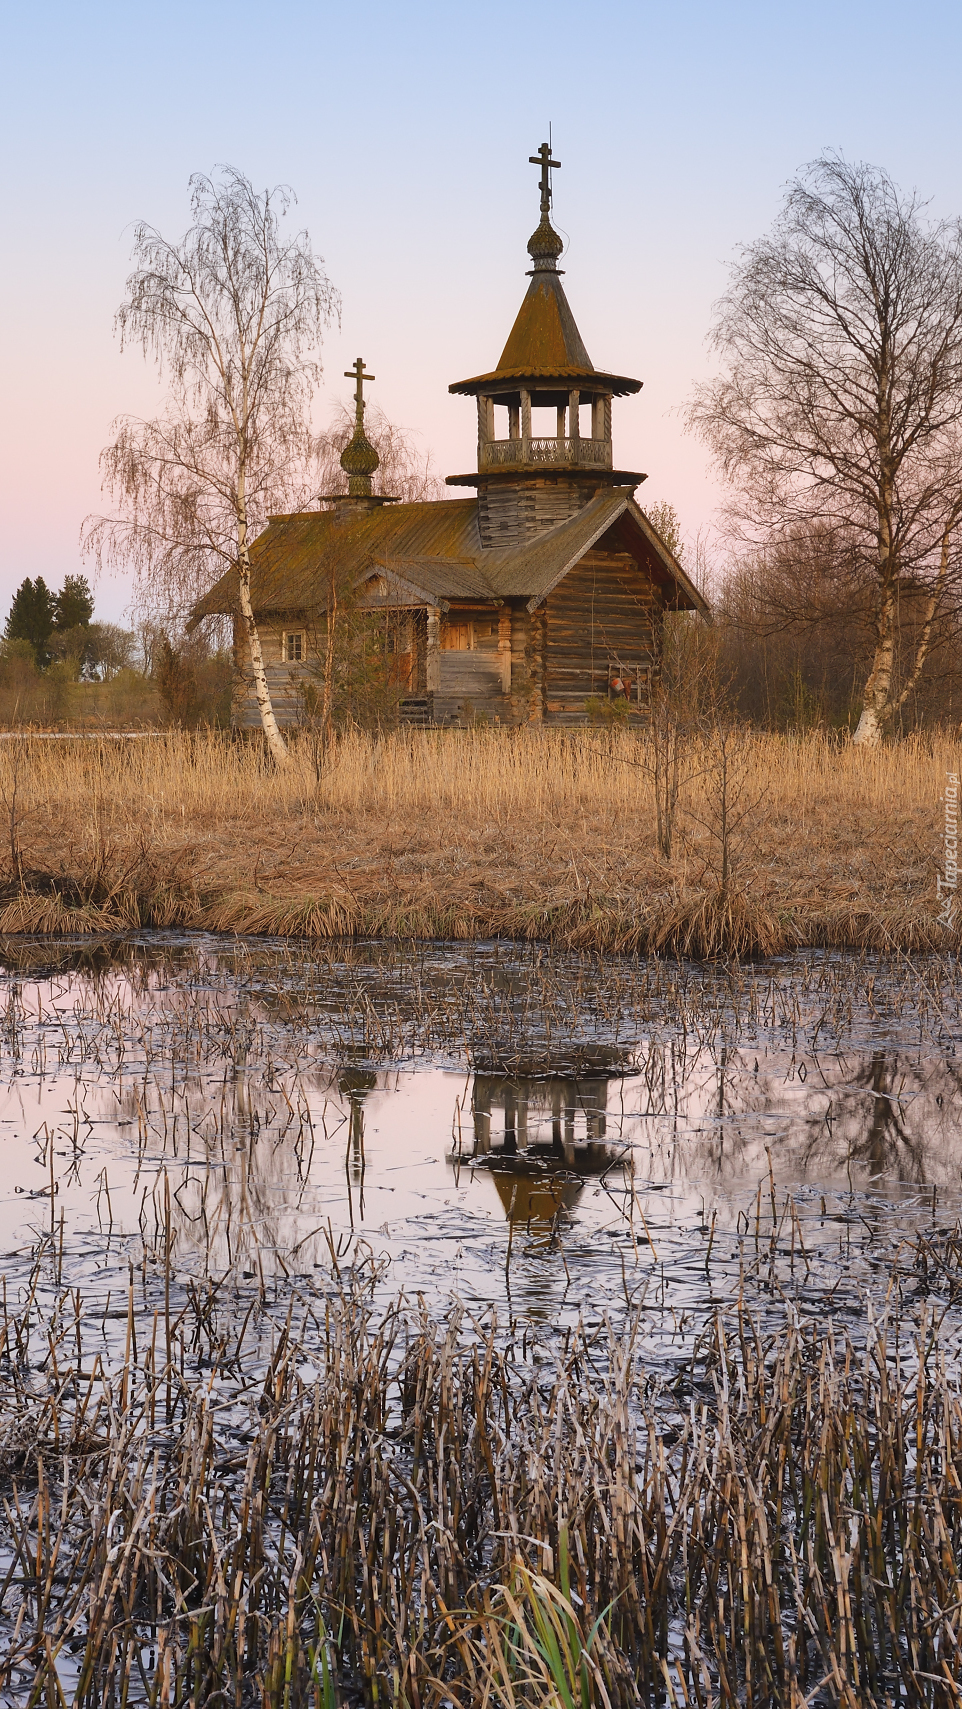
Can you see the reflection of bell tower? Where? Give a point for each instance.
(576, 1110)
(354, 1085)
(544, 414)
(549, 1140)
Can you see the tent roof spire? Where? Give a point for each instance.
(545, 348)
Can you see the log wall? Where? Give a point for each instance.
(471, 665)
(527, 650)
(283, 680)
(510, 514)
(506, 664)
(605, 615)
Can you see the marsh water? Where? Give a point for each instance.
(542, 1136)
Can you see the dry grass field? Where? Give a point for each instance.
(476, 833)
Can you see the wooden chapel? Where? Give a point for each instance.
(528, 602)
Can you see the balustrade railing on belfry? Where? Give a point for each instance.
(547, 453)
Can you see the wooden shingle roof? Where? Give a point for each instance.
(545, 345)
(435, 550)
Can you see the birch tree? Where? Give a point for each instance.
(233, 315)
(840, 399)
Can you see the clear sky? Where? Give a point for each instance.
(405, 130)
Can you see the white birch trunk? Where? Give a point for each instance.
(880, 703)
(868, 730)
(262, 694)
(878, 689)
(875, 704)
(932, 606)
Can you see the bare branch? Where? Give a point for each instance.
(840, 401)
(233, 315)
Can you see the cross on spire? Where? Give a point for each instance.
(359, 374)
(544, 160)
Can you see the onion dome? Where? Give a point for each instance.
(545, 246)
(359, 460)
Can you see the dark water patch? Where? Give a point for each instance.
(540, 1133)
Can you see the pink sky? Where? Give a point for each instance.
(405, 131)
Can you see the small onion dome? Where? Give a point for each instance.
(360, 461)
(544, 245)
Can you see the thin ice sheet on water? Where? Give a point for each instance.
(548, 1136)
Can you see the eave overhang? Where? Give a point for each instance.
(502, 380)
(515, 474)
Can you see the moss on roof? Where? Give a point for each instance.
(545, 344)
(435, 546)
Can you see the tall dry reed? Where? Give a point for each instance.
(482, 832)
(393, 1510)
(481, 774)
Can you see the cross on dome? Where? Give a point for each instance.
(544, 160)
(358, 373)
(359, 460)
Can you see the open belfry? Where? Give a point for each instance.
(533, 600)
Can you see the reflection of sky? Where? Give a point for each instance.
(609, 1181)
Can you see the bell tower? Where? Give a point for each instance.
(544, 413)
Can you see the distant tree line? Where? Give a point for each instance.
(795, 633)
(58, 628)
(792, 633)
(52, 650)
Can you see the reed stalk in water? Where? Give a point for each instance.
(402, 1511)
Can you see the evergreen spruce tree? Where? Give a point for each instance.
(73, 606)
(32, 618)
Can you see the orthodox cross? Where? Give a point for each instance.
(544, 160)
(358, 373)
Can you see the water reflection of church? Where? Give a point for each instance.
(559, 1116)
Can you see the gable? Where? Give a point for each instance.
(606, 604)
(610, 521)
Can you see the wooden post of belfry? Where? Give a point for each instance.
(525, 426)
(433, 651)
